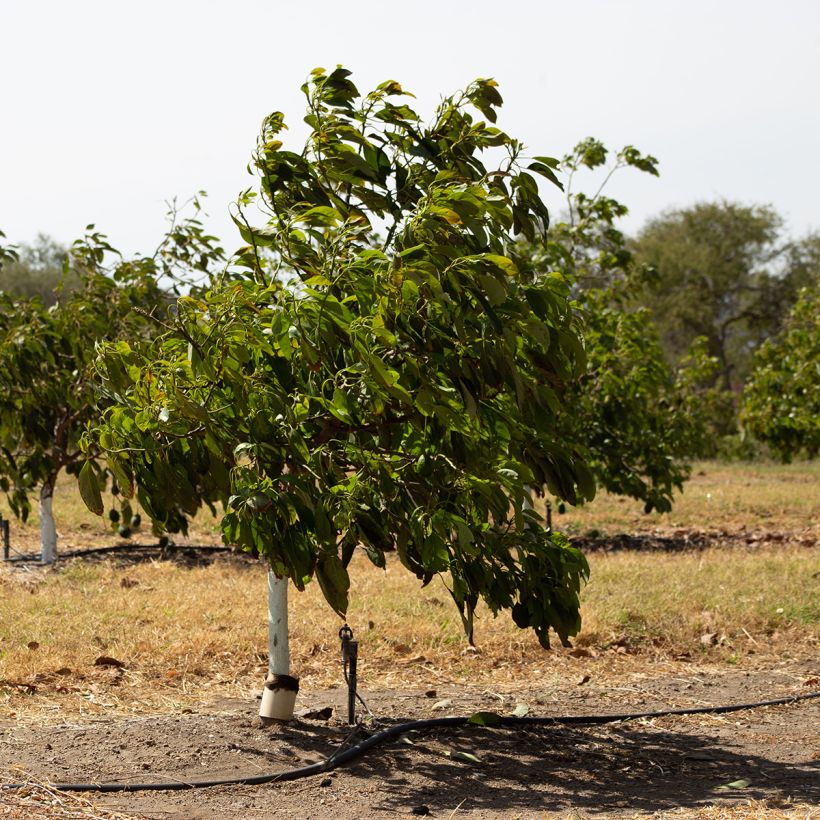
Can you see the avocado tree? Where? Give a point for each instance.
(50, 391)
(639, 420)
(380, 367)
(781, 400)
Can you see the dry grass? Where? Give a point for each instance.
(39, 801)
(187, 634)
(752, 810)
(718, 497)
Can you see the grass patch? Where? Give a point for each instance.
(718, 497)
(188, 634)
(185, 634)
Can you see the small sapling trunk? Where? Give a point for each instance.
(48, 531)
(279, 694)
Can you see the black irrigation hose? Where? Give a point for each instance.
(21, 558)
(377, 739)
(169, 550)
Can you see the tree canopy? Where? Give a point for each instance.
(781, 401)
(47, 360)
(380, 366)
(723, 271)
(639, 420)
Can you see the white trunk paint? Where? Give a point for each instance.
(278, 647)
(278, 700)
(48, 532)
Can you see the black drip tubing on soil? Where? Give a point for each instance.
(176, 549)
(380, 737)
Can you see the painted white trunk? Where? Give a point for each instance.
(279, 694)
(48, 532)
(278, 647)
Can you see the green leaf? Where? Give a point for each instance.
(484, 719)
(743, 783)
(547, 172)
(496, 292)
(90, 489)
(334, 581)
(459, 755)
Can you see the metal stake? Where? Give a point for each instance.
(350, 657)
(4, 529)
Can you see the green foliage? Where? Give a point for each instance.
(8, 253)
(723, 271)
(781, 401)
(46, 368)
(47, 362)
(639, 420)
(380, 368)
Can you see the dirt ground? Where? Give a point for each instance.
(768, 756)
(66, 719)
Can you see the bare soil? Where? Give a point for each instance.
(640, 767)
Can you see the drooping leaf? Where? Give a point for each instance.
(334, 581)
(90, 489)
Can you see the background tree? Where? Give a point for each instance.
(384, 391)
(37, 271)
(801, 270)
(50, 392)
(724, 272)
(781, 401)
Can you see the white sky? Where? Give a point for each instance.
(108, 109)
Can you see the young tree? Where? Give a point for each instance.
(380, 368)
(50, 392)
(639, 420)
(781, 400)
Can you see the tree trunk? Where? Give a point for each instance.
(278, 646)
(48, 532)
(279, 694)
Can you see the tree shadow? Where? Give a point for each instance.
(597, 769)
(632, 764)
(592, 768)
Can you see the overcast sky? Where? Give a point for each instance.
(110, 109)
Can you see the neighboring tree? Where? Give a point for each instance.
(50, 392)
(37, 271)
(640, 421)
(723, 272)
(349, 389)
(781, 401)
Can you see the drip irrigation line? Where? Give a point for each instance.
(23, 558)
(169, 550)
(339, 758)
